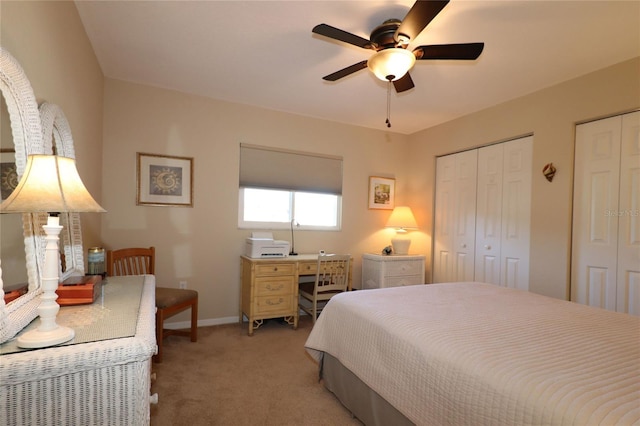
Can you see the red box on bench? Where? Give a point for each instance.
(79, 290)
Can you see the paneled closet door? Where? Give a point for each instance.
(628, 274)
(465, 216)
(483, 214)
(516, 213)
(595, 218)
(455, 214)
(443, 219)
(504, 213)
(489, 214)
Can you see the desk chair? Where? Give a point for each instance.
(332, 277)
(169, 301)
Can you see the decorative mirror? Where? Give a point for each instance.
(26, 130)
(58, 140)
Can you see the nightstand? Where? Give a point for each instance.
(379, 271)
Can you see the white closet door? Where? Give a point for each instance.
(465, 216)
(504, 213)
(454, 224)
(483, 215)
(516, 213)
(443, 220)
(489, 214)
(628, 274)
(595, 219)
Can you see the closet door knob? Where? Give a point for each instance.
(487, 246)
(463, 245)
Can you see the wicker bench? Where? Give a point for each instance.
(104, 382)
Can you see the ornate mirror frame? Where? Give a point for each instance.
(26, 129)
(57, 139)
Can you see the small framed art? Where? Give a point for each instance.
(8, 172)
(164, 180)
(382, 193)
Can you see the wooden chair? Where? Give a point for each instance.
(169, 301)
(332, 277)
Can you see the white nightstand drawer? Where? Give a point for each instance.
(405, 267)
(404, 280)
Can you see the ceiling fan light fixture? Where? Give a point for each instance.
(391, 64)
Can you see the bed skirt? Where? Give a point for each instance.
(363, 402)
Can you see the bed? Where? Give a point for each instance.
(477, 354)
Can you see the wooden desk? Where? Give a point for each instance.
(269, 287)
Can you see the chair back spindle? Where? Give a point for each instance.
(332, 277)
(333, 273)
(131, 261)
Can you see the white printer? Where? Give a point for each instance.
(262, 244)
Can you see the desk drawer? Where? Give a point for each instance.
(271, 305)
(275, 269)
(308, 268)
(404, 267)
(272, 286)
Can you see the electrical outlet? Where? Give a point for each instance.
(183, 284)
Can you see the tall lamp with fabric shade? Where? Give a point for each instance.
(49, 184)
(402, 221)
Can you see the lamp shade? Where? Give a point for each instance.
(50, 183)
(391, 64)
(402, 219)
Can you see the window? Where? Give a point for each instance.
(278, 186)
(275, 209)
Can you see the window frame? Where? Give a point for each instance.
(254, 225)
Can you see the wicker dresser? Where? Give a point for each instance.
(380, 271)
(105, 381)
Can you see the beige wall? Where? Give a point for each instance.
(202, 245)
(551, 115)
(49, 41)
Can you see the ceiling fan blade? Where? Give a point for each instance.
(404, 83)
(419, 16)
(449, 51)
(345, 71)
(340, 35)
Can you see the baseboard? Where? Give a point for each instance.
(207, 322)
(201, 323)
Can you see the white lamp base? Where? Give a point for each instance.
(48, 332)
(42, 339)
(400, 245)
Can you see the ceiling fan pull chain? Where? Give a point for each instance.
(388, 122)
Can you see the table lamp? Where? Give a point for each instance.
(49, 184)
(402, 220)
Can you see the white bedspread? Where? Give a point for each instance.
(473, 353)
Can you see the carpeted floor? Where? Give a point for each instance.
(229, 378)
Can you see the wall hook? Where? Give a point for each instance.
(549, 171)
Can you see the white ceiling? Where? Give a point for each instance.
(263, 53)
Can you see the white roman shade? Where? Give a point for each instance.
(266, 167)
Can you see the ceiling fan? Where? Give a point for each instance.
(392, 61)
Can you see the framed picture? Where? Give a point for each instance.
(382, 193)
(164, 180)
(8, 172)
